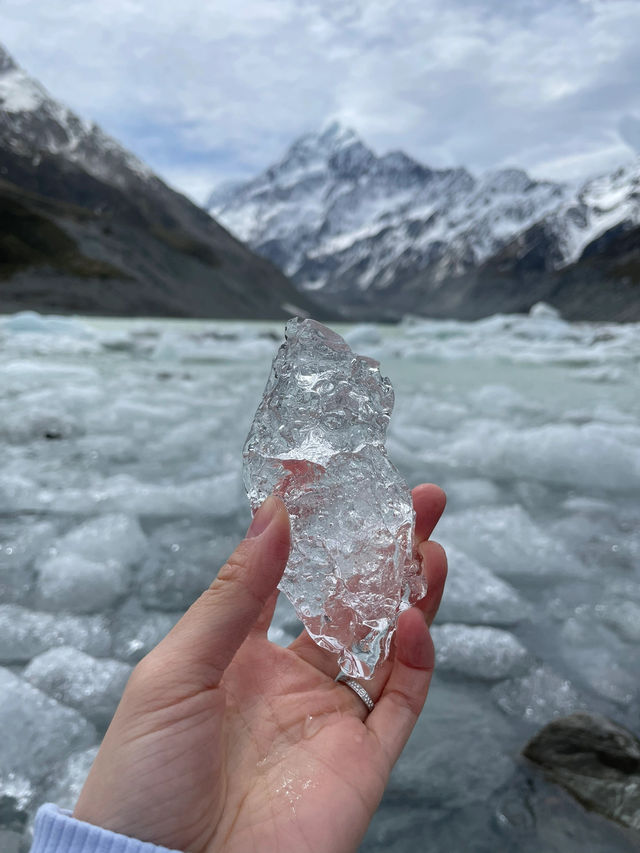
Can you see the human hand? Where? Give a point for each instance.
(226, 742)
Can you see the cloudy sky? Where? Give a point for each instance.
(206, 90)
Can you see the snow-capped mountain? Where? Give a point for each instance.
(339, 219)
(34, 122)
(85, 226)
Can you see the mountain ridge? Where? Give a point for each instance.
(120, 240)
(363, 230)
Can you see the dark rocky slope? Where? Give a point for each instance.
(85, 227)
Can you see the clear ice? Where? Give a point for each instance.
(317, 441)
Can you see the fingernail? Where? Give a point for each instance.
(262, 518)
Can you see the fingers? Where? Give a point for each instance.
(263, 621)
(434, 568)
(396, 711)
(428, 502)
(207, 637)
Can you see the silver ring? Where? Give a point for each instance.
(358, 689)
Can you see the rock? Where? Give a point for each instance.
(596, 760)
(317, 441)
(16, 797)
(27, 633)
(91, 686)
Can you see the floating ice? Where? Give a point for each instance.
(36, 730)
(91, 686)
(70, 778)
(598, 657)
(317, 440)
(542, 487)
(110, 537)
(479, 652)
(71, 582)
(483, 757)
(30, 322)
(509, 542)
(475, 595)
(538, 696)
(137, 631)
(26, 633)
(89, 568)
(20, 542)
(181, 562)
(622, 616)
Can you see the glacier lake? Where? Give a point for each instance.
(121, 495)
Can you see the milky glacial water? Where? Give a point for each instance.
(120, 494)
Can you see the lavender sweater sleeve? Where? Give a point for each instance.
(55, 831)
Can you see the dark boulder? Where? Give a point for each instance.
(596, 760)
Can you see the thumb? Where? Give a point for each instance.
(209, 634)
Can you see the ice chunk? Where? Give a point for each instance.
(317, 440)
(594, 456)
(218, 496)
(598, 657)
(509, 542)
(89, 568)
(35, 423)
(11, 841)
(91, 686)
(70, 778)
(137, 631)
(21, 540)
(479, 652)
(538, 696)
(26, 633)
(475, 595)
(182, 561)
(544, 311)
(622, 616)
(116, 537)
(71, 582)
(37, 732)
(459, 753)
(365, 335)
(471, 493)
(31, 322)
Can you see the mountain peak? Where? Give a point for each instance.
(7, 62)
(337, 135)
(331, 139)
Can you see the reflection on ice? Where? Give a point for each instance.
(120, 496)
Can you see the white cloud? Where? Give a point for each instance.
(206, 91)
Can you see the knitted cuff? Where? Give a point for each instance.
(55, 831)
